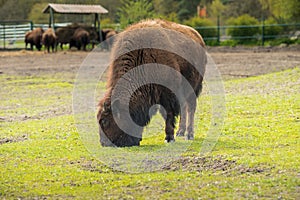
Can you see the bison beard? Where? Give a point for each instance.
(111, 110)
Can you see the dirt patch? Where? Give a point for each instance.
(251, 62)
(217, 164)
(231, 61)
(13, 139)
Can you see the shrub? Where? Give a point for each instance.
(200, 24)
(271, 32)
(230, 43)
(242, 33)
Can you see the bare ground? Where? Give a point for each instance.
(232, 62)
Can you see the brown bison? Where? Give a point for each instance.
(127, 60)
(34, 38)
(108, 37)
(49, 40)
(64, 34)
(81, 38)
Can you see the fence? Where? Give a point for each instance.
(217, 34)
(12, 33)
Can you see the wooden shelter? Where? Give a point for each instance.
(75, 9)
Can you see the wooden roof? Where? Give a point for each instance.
(75, 9)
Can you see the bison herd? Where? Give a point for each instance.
(76, 35)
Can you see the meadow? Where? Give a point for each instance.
(256, 156)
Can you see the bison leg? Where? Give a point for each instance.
(191, 108)
(182, 122)
(170, 124)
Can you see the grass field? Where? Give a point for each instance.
(257, 154)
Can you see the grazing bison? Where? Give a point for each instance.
(81, 38)
(112, 108)
(64, 34)
(34, 38)
(49, 39)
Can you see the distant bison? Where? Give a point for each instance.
(80, 38)
(111, 111)
(49, 39)
(108, 37)
(34, 38)
(64, 34)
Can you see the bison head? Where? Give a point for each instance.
(110, 116)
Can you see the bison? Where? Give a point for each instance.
(81, 38)
(49, 39)
(111, 111)
(64, 34)
(108, 37)
(34, 38)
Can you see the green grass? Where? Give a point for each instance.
(256, 156)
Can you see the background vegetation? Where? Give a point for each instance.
(181, 10)
(218, 12)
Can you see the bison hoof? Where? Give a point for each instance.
(180, 133)
(170, 141)
(190, 137)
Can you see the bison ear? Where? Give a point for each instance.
(115, 107)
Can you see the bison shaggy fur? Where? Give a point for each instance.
(49, 39)
(145, 97)
(34, 38)
(81, 38)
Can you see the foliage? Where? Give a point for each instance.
(187, 9)
(282, 41)
(170, 17)
(165, 7)
(240, 7)
(287, 10)
(230, 43)
(14, 9)
(181, 10)
(243, 32)
(36, 15)
(272, 31)
(199, 23)
(134, 11)
(217, 8)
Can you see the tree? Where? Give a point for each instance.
(134, 11)
(165, 7)
(15, 10)
(252, 8)
(217, 8)
(187, 9)
(282, 10)
(36, 14)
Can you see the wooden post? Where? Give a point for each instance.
(51, 19)
(4, 36)
(218, 30)
(263, 32)
(97, 25)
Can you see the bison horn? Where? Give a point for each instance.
(115, 106)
